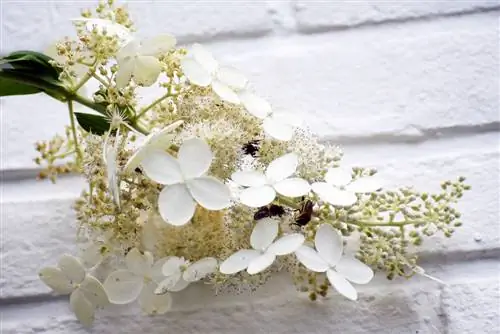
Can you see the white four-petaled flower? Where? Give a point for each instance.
(185, 180)
(202, 69)
(328, 258)
(86, 292)
(264, 250)
(138, 59)
(340, 189)
(138, 281)
(262, 187)
(278, 125)
(179, 273)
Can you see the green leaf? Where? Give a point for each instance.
(35, 63)
(95, 124)
(10, 87)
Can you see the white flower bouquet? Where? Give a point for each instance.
(207, 182)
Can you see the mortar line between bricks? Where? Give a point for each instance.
(309, 30)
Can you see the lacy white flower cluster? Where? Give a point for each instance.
(208, 183)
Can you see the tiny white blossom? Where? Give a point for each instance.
(262, 187)
(155, 140)
(180, 273)
(110, 28)
(328, 258)
(277, 125)
(86, 292)
(340, 190)
(264, 250)
(138, 281)
(186, 182)
(138, 59)
(202, 69)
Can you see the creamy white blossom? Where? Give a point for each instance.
(186, 181)
(179, 273)
(262, 187)
(202, 69)
(110, 28)
(138, 281)
(327, 257)
(277, 125)
(86, 292)
(340, 189)
(139, 59)
(264, 250)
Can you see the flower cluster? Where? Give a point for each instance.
(208, 183)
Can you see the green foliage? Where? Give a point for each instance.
(94, 124)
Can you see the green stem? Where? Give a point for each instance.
(101, 80)
(152, 105)
(65, 154)
(83, 81)
(73, 130)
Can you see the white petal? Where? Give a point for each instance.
(311, 259)
(128, 51)
(92, 256)
(157, 270)
(123, 286)
(210, 193)
(162, 138)
(168, 283)
(195, 73)
(83, 308)
(157, 45)
(138, 263)
(94, 291)
(146, 70)
(277, 129)
(172, 265)
(263, 234)
(161, 167)
(149, 235)
(181, 285)
(125, 69)
(231, 77)
(153, 304)
(255, 105)
(354, 270)
(367, 184)
(238, 261)
(282, 167)
(261, 263)
(292, 187)
(341, 285)
(288, 118)
(249, 178)
(72, 268)
(204, 57)
(255, 197)
(332, 195)
(194, 158)
(328, 242)
(287, 244)
(56, 280)
(176, 205)
(101, 25)
(338, 177)
(225, 92)
(200, 269)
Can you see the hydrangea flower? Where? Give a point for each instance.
(138, 281)
(202, 69)
(278, 125)
(179, 273)
(155, 140)
(339, 188)
(102, 26)
(86, 292)
(328, 258)
(138, 59)
(264, 250)
(185, 180)
(262, 187)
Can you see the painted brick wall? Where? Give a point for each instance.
(410, 87)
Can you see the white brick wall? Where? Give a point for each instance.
(410, 87)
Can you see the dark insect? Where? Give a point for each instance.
(138, 170)
(251, 148)
(269, 211)
(305, 213)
